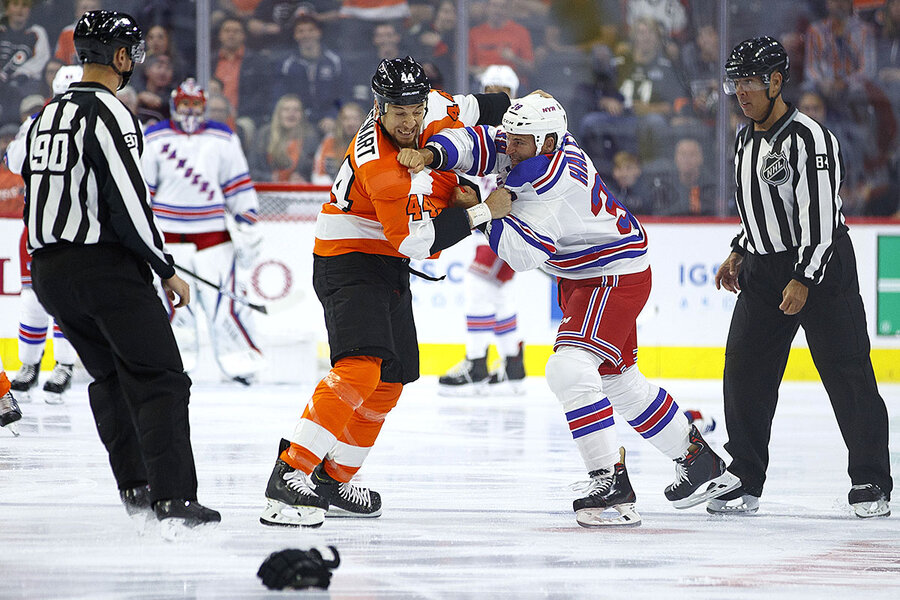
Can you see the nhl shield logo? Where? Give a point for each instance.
(775, 169)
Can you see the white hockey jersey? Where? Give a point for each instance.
(195, 179)
(563, 218)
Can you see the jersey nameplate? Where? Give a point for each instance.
(366, 147)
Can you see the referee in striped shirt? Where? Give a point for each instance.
(93, 241)
(793, 265)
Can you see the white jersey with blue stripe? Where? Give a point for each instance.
(563, 220)
(196, 179)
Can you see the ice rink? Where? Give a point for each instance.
(477, 505)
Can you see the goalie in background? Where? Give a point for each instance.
(206, 205)
(491, 308)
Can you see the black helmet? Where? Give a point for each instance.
(100, 33)
(760, 56)
(400, 81)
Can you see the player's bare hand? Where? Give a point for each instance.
(500, 202)
(415, 159)
(793, 297)
(464, 197)
(177, 289)
(727, 275)
(540, 93)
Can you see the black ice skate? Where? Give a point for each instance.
(607, 488)
(138, 506)
(26, 378)
(178, 516)
(509, 376)
(699, 475)
(868, 500)
(469, 377)
(345, 499)
(735, 502)
(9, 412)
(60, 380)
(291, 499)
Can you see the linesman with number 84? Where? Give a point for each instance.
(93, 241)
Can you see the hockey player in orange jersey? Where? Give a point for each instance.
(379, 216)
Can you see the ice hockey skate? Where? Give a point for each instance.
(345, 499)
(468, 378)
(179, 517)
(735, 502)
(509, 376)
(607, 489)
(868, 500)
(699, 475)
(138, 506)
(59, 382)
(9, 413)
(291, 499)
(25, 380)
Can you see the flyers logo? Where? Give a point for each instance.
(453, 112)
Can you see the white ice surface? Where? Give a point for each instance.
(477, 505)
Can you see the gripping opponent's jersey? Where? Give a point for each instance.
(376, 206)
(563, 218)
(195, 179)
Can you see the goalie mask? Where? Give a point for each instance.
(537, 116)
(188, 106)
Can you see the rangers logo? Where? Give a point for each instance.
(775, 169)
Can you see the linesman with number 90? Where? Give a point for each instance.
(93, 241)
(793, 265)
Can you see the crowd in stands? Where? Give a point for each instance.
(640, 79)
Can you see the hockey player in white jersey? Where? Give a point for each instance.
(206, 205)
(491, 306)
(564, 221)
(35, 323)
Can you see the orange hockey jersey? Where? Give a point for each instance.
(376, 206)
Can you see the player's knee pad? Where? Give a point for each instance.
(629, 392)
(31, 311)
(572, 373)
(354, 378)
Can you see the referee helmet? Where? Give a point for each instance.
(99, 34)
(756, 57)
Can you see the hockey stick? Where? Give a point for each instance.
(228, 294)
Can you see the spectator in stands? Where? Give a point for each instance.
(159, 42)
(218, 108)
(387, 43)
(285, 147)
(700, 64)
(888, 52)
(24, 50)
(128, 96)
(359, 17)
(628, 184)
(153, 99)
(670, 15)
(561, 67)
(65, 47)
(331, 151)
(840, 55)
(312, 72)
(500, 41)
(270, 29)
(689, 190)
(50, 70)
(437, 42)
(12, 187)
(229, 60)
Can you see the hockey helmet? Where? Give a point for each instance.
(66, 76)
(756, 57)
(188, 119)
(501, 76)
(100, 33)
(538, 116)
(400, 81)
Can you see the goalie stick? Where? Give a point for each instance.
(227, 293)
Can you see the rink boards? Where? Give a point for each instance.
(681, 331)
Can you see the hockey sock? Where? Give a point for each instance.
(33, 325)
(650, 410)
(63, 352)
(4, 383)
(334, 400)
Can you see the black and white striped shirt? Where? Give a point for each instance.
(787, 192)
(84, 183)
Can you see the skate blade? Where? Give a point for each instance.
(468, 390)
(339, 513)
(746, 506)
(12, 428)
(594, 517)
(867, 510)
(174, 530)
(724, 483)
(53, 398)
(279, 514)
(506, 388)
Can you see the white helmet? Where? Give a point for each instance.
(537, 116)
(503, 76)
(67, 75)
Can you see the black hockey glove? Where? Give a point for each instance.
(296, 569)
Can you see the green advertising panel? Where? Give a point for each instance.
(889, 285)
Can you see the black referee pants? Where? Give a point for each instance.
(105, 304)
(756, 354)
